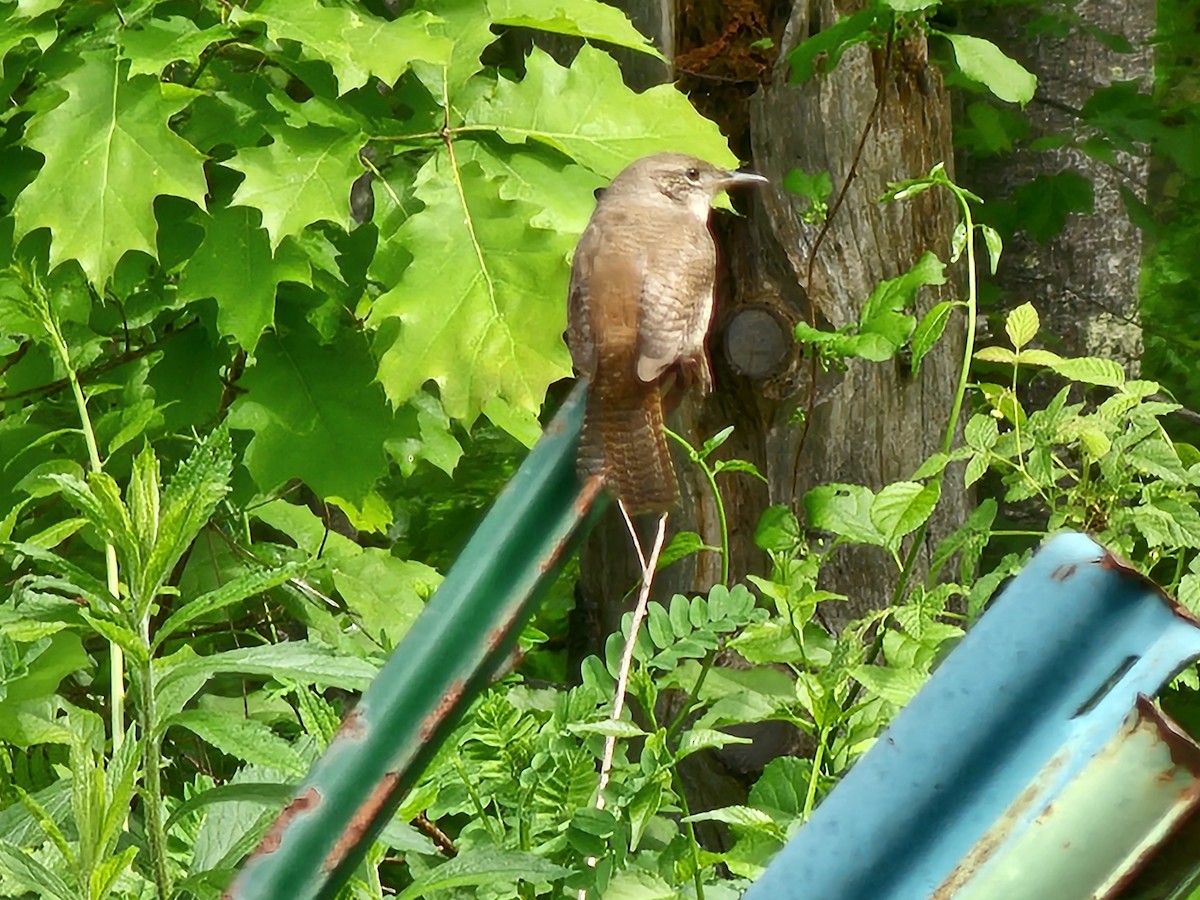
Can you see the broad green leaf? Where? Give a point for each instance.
(1036, 357)
(234, 265)
(189, 500)
(578, 18)
(298, 661)
(777, 530)
(587, 113)
(481, 308)
(1091, 370)
(303, 176)
(153, 44)
(263, 793)
(386, 594)
(315, 415)
(981, 431)
(108, 153)
(21, 867)
(426, 434)
(488, 866)
(353, 42)
(681, 545)
(563, 192)
(781, 787)
(1022, 325)
(929, 331)
(739, 817)
(982, 61)
(894, 685)
(994, 244)
(844, 510)
(1043, 206)
(616, 728)
(822, 51)
(903, 507)
(246, 739)
(1001, 355)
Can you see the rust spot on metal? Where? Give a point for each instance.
(301, 804)
(442, 710)
(1063, 572)
(997, 834)
(1114, 563)
(361, 822)
(353, 728)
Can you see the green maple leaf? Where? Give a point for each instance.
(301, 178)
(587, 113)
(108, 153)
(578, 18)
(354, 43)
(316, 415)
(234, 265)
(157, 43)
(481, 306)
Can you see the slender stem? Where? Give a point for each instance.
(697, 870)
(639, 612)
(722, 523)
(810, 797)
(156, 835)
(112, 573)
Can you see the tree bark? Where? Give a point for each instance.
(1084, 282)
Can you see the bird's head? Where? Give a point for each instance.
(681, 179)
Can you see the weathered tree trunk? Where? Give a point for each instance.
(1084, 282)
(872, 424)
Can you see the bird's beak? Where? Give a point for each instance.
(742, 178)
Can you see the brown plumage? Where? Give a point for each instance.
(640, 304)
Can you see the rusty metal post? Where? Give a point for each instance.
(454, 647)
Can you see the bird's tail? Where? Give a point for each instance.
(623, 440)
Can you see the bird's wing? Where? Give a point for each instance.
(677, 303)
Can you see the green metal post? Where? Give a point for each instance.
(454, 647)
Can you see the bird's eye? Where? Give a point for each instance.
(693, 174)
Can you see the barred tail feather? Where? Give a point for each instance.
(623, 441)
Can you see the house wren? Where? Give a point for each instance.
(640, 304)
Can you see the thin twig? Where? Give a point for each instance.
(639, 613)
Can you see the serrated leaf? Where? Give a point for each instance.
(982, 61)
(1091, 370)
(153, 44)
(353, 42)
(1001, 355)
(481, 307)
(228, 593)
(578, 18)
(1037, 357)
(777, 529)
(315, 414)
(299, 661)
(903, 507)
(587, 113)
(302, 177)
(21, 867)
(682, 544)
(1022, 325)
(386, 594)
(245, 739)
(234, 265)
(109, 154)
(488, 866)
(894, 685)
(982, 431)
(844, 510)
